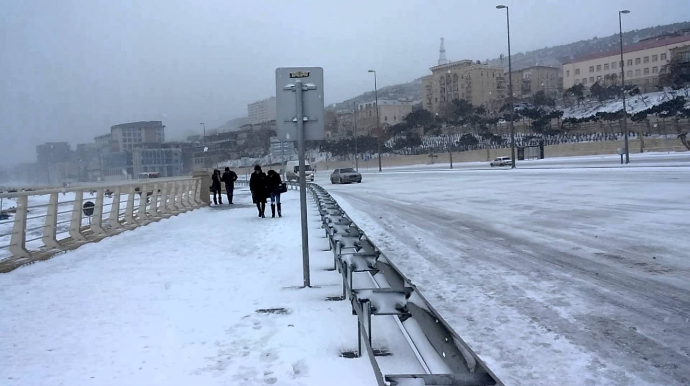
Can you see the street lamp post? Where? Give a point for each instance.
(203, 144)
(625, 110)
(510, 89)
(378, 121)
(354, 119)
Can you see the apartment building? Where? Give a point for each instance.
(262, 111)
(643, 62)
(390, 113)
(127, 136)
(531, 80)
(474, 82)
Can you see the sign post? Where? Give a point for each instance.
(301, 117)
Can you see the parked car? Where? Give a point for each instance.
(501, 161)
(292, 171)
(345, 176)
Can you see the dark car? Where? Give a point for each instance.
(345, 176)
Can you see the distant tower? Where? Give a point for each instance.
(442, 55)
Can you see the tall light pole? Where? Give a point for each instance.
(510, 89)
(625, 110)
(378, 121)
(203, 143)
(354, 119)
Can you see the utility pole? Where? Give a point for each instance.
(510, 90)
(625, 110)
(378, 121)
(354, 118)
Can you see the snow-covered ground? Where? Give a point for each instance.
(183, 302)
(564, 276)
(635, 104)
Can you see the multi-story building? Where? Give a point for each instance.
(262, 111)
(165, 161)
(643, 62)
(51, 153)
(529, 81)
(127, 136)
(474, 82)
(390, 113)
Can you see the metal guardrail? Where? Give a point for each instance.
(291, 185)
(444, 356)
(41, 225)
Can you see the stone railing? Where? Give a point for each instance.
(37, 224)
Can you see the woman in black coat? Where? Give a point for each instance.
(215, 187)
(259, 189)
(274, 183)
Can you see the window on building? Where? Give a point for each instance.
(385, 118)
(584, 80)
(655, 70)
(567, 73)
(646, 59)
(598, 77)
(591, 68)
(395, 118)
(638, 61)
(577, 71)
(663, 56)
(638, 72)
(614, 65)
(606, 66)
(629, 74)
(655, 58)
(591, 79)
(646, 71)
(598, 67)
(629, 62)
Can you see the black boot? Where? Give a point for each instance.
(258, 207)
(263, 210)
(273, 211)
(279, 213)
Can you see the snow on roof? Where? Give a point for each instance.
(631, 48)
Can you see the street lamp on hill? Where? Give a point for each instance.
(378, 121)
(625, 111)
(510, 89)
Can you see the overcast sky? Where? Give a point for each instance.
(71, 69)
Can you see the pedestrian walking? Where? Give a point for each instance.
(215, 187)
(275, 188)
(257, 185)
(229, 177)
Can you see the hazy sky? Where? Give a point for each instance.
(71, 69)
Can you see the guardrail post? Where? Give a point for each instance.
(178, 197)
(191, 193)
(50, 228)
(171, 199)
(142, 218)
(197, 194)
(129, 210)
(186, 195)
(75, 225)
(153, 205)
(18, 241)
(114, 219)
(163, 203)
(97, 217)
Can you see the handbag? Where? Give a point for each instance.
(282, 188)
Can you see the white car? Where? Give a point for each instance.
(502, 161)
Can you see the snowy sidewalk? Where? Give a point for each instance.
(186, 301)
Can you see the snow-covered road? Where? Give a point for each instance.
(573, 276)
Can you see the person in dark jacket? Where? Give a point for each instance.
(229, 177)
(215, 187)
(257, 185)
(273, 183)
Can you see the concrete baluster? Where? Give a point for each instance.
(75, 225)
(162, 204)
(142, 218)
(50, 227)
(171, 198)
(114, 219)
(18, 241)
(153, 205)
(129, 210)
(97, 217)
